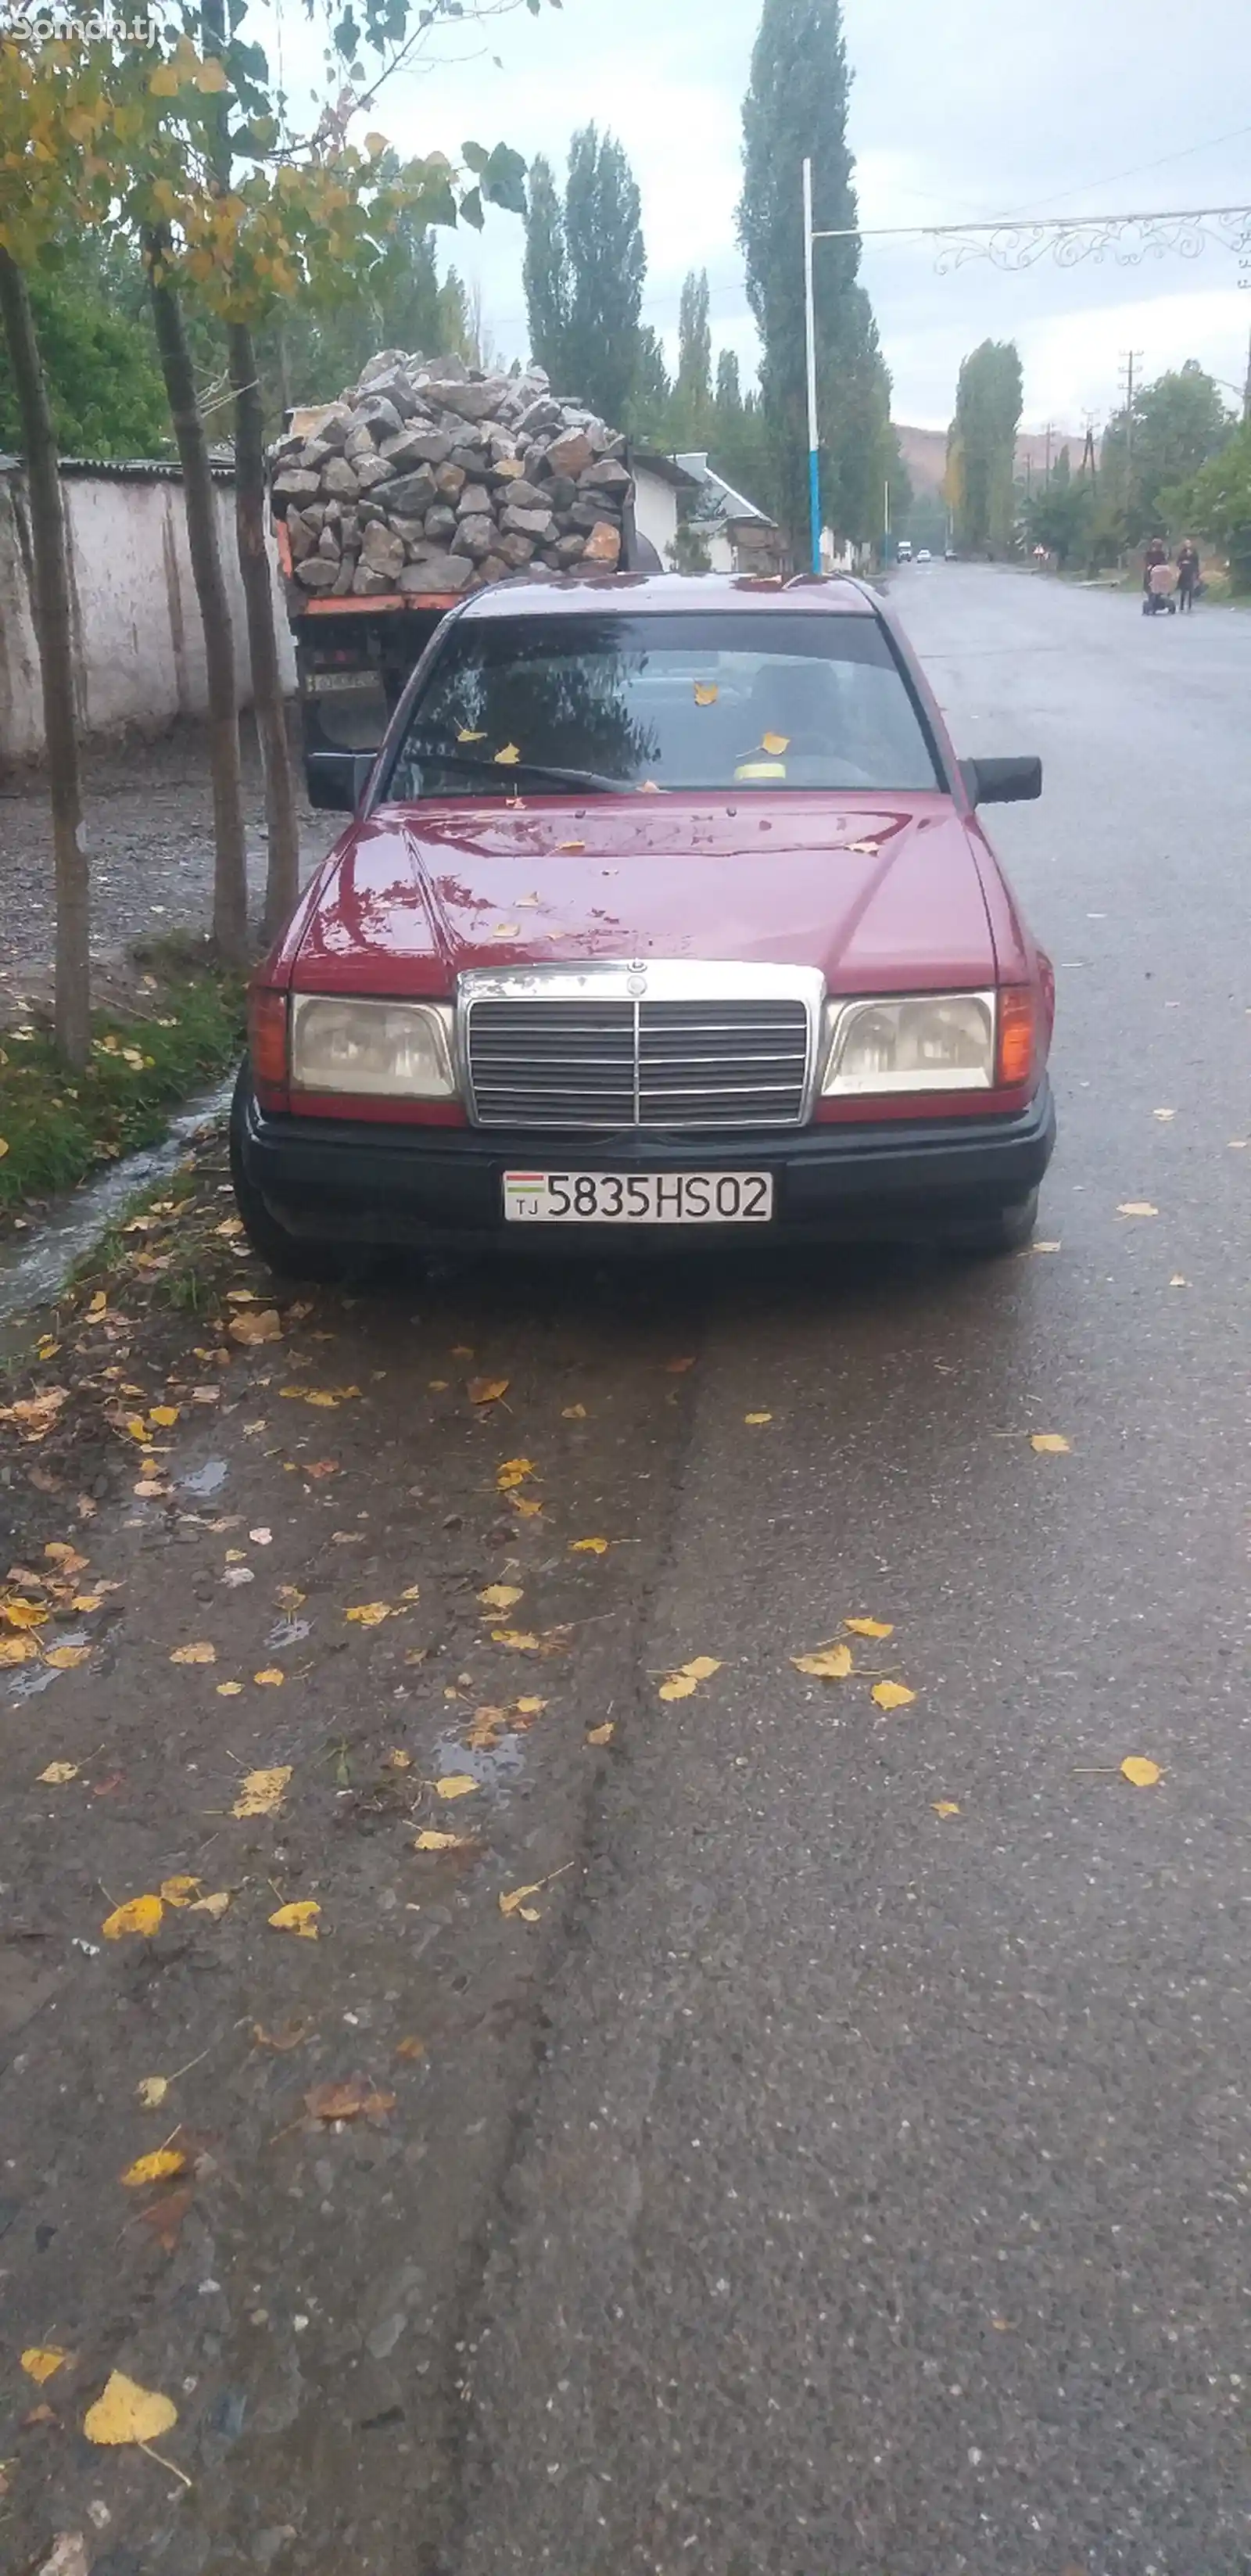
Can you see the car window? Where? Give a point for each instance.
(756, 700)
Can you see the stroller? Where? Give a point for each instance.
(1159, 593)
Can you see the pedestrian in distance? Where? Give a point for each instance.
(1161, 584)
(1157, 553)
(1187, 574)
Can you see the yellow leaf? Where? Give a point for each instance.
(4, 1147)
(398, 1760)
(573, 1413)
(99, 1306)
(136, 1426)
(519, 1639)
(506, 930)
(892, 1694)
(179, 1891)
(125, 2412)
(152, 2090)
(164, 1415)
(775, 743)
(25, 1614)
(164, 82)
(508, 757)
(271, 1677)
(215, 1904)
(706, 693)
(1178, 1280)
(85, 1601)
(601, 1734)
(500, 1596)
(466, 736)
(430, 1840)
(830, 1663)
(756, 1418)
(411, 1592)
(154, 2168)
(456, 1784)
(1137, 1207)
(41, 2361)
(18, 1650)
(263, 1326)
(687, 1678)
(1050, 1444)
(530, 1707)
(369, 1614)
(300, 1918)
(202, 1653)
(529, 1511)
(58, 1771)
(530, 1914)
(487, 1390)
(513, 1472)
(1142, 1773)
(261, 1792)
(945, 1807)
(211, 77)
(230, 1690)
(66, 1657)
(516, 1896)
(870, 1627)
(141, 1914)
(588, 1547)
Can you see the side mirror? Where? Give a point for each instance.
(1003, 782)
(337, 779)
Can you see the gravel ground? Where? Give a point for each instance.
(149, 817)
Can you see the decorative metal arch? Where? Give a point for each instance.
(1174, 232)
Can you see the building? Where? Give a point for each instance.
(661, 485)
(738, 537)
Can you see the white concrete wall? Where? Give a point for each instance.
(655, 511)
(138, 642)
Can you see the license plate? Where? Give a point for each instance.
(638, 1198)
(327, 684)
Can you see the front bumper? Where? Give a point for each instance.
(350, 1181)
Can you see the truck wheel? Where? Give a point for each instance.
(1009, 1231)
(290, 1256)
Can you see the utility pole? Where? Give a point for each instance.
(1132, 358)
(1246, 391)
(1048, 434)
(810, 350)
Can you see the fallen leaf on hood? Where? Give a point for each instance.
(300, 1918)
(349, 2101)
(601, 1734)
(263, 1326)
(706, 693)
(18, 1650)
(775, 744)
(215, 1904)
(125, 2412)
(945, 1807)
(757, 1418)
(66, 1658)
(487, 1390)
(509, 756)
(520, 1639)
(588, 1547)
(500, 1596)
(513, 1472)
(466, 735)
(456, 1784)
(870, 1627)
(154, 2168)
(369, 1614)
(829, 1663)
(270, 1677)
(179, 1891)
(892, 1694)
(201, 1653)
(1051, 1444)
(1137, 1207)
(687, 1678)
(1138, 1770)
(58, 1771)
(140, 1914)
(42, 2361)
(261, 1792)
(431, 1841)
(152, 2090)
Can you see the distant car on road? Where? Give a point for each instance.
(924, 555)
(666, 910)
(903, 551)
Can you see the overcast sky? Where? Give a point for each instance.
(970, 110)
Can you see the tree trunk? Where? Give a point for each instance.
(230, 878)
(72, 1006)
(282, 883)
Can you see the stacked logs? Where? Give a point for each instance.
(433, 477)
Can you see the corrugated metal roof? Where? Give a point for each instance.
(131, 469)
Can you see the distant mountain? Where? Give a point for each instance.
(924, 453)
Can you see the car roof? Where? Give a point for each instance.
(643, 594)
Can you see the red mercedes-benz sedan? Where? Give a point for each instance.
(665, 911)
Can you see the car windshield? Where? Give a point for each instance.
(577, 703)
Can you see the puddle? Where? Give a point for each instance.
(205, 1480)
(30, 1679)
(490, 1768)
(34, 1272)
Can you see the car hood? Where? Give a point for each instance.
(878, 893)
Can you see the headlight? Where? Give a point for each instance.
(934, 1042)
(390, 1050)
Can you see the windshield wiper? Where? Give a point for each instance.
(505, 770)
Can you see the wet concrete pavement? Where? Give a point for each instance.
(823, 2185)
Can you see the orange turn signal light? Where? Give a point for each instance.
(267, 1036)
(1016, 1036)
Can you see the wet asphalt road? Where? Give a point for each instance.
(880, 2208)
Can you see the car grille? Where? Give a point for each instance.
(593, 1063)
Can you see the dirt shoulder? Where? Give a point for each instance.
(296, 2283)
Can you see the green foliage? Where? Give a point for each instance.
(692, 391)
(1216, 503)
(649, 413)
(58, 1127)
(103, 382)
(606, 268)
(1061, 514)
(545, 271)
(1179, 422)
(796, 106)
(981, 446)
